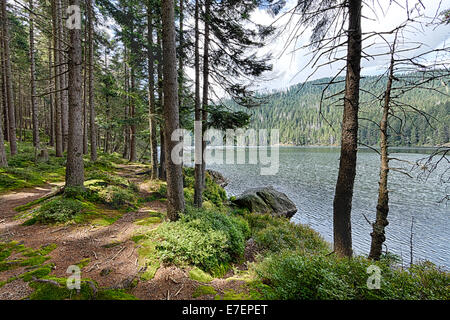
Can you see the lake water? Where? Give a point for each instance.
(308, 176)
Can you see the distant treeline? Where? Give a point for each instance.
(295, 112)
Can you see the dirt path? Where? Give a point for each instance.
(113, 257)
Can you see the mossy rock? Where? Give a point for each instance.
(266, 200)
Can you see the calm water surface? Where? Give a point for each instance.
(308, 176)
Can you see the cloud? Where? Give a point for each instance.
(288, 63)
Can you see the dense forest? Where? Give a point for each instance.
(97, 201)
(295, 112)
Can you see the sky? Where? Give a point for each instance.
(288, 65)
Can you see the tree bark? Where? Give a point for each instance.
(162, 157)
(62, 78)
(342, 204)
(133, 151)
(205, 85)
(93, 132)
(198, 184)
(8, 84)
(4, 93)
(34, 107)
(175, 195)
(381, 222)
(180, 56)
(85, 90)
(51, 102)
(75, 166)
(126, 149)
(151, 94)
(3, 161)
(57, 73)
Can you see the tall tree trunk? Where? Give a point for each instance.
(126, 149)
(20, 110)
(205, 84)
(3, 161)
(198, 185)
(51, 96)
(133, 151)
(162, 157)
(91, 83)
(175, 195)
(62, 78)
(57, 73)
(151, 94)
(181, 56)
(4, 93)
(34, 106)
(381, 222)
(75, 166)
(85, 90)
(8, 82)
(342, 205)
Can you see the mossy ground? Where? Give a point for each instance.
(51, 288)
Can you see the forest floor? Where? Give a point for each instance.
(107, 253)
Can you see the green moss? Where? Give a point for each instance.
(4, 253)
(109, 294)
(233, 295)
(29, 205)
(33, 261)
(148, 221)
(199, 275)
(148, 259)
(83, 263)
(30, 257)
(37, 273)
(203, 291)
(46, 249)
(138, 237)
(50, 291)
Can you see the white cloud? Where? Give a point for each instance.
(287, 66)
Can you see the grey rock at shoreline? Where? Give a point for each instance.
(218, 178)
(266, 200)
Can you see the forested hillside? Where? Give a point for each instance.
(295, 112)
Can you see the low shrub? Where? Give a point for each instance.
(117, 197)
(59, 210)
(276, 234)
(293, 275)
(210, 240)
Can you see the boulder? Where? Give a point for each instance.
(218, 178)
(266, 200)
